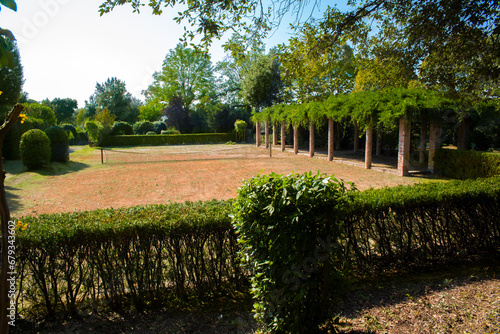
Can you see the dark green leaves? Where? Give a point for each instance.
(9, 4)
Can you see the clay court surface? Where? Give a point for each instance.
(154, 175)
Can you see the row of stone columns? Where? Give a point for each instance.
(403, 147)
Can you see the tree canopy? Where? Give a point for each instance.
(11, 77)
(186, 73)
(113, 95)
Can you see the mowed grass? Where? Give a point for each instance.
(189, 173)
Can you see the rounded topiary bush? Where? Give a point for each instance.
(72, 134)
(122, 128)
(159, 127)
(144, 127)
(34, 149)
(58, 143)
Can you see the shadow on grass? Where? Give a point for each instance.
(14, 201)
(15, 167)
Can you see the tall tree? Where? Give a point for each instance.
(262, 84)
(177, 116)
(11, 78)
(64, 109)
(113, 95)
(187, 73)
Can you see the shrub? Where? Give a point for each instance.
(94, 131)
(122, 128)
(171, 131)
(35, 149)
(58, 143)
(159, 127)
(10, 147)
(143, 127)
(460, 164)
(138, 256)
(150, 133)
(72, 134)
(289, 229)
(144, 140)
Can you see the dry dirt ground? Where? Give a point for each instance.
(189, 173)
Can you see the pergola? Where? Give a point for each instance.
(369, 112)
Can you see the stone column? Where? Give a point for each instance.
(295, 139)
(266, 134)
(356, 137)
(311, 139)
(257, 134)
(368, 147)
(434, 143)
(404, 146)
(331, 138)
(275, 135)
(283, 135)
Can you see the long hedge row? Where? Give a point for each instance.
(177, 139)
(460, 164)
(136, 256)
(105, 258)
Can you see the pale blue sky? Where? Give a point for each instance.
(66, 47)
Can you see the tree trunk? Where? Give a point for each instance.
(368, 147)
(311, 139)
(283, 137)
(331, 140)
(295, 139)
(5, 272)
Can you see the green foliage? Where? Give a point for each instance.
(35, 149)
(42, 116)
(58, 143)
(113, 95)
(168, 139)
(171, 131)
(460, 164)
(64, 109)
(150, 133)
(151, 111)
(143, 127)
(159, 127)
(10, 146)
(72, 133)
(121, 128)
(262, 84)
(139, 257)
(186, 73)
(11, 77)
(95, 132)
(289, 228)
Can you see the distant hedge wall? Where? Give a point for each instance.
(460, 164)
(177, 139)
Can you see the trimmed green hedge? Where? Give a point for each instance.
(106, 257)
(142, 256)
(460, 164)
(155, 140)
